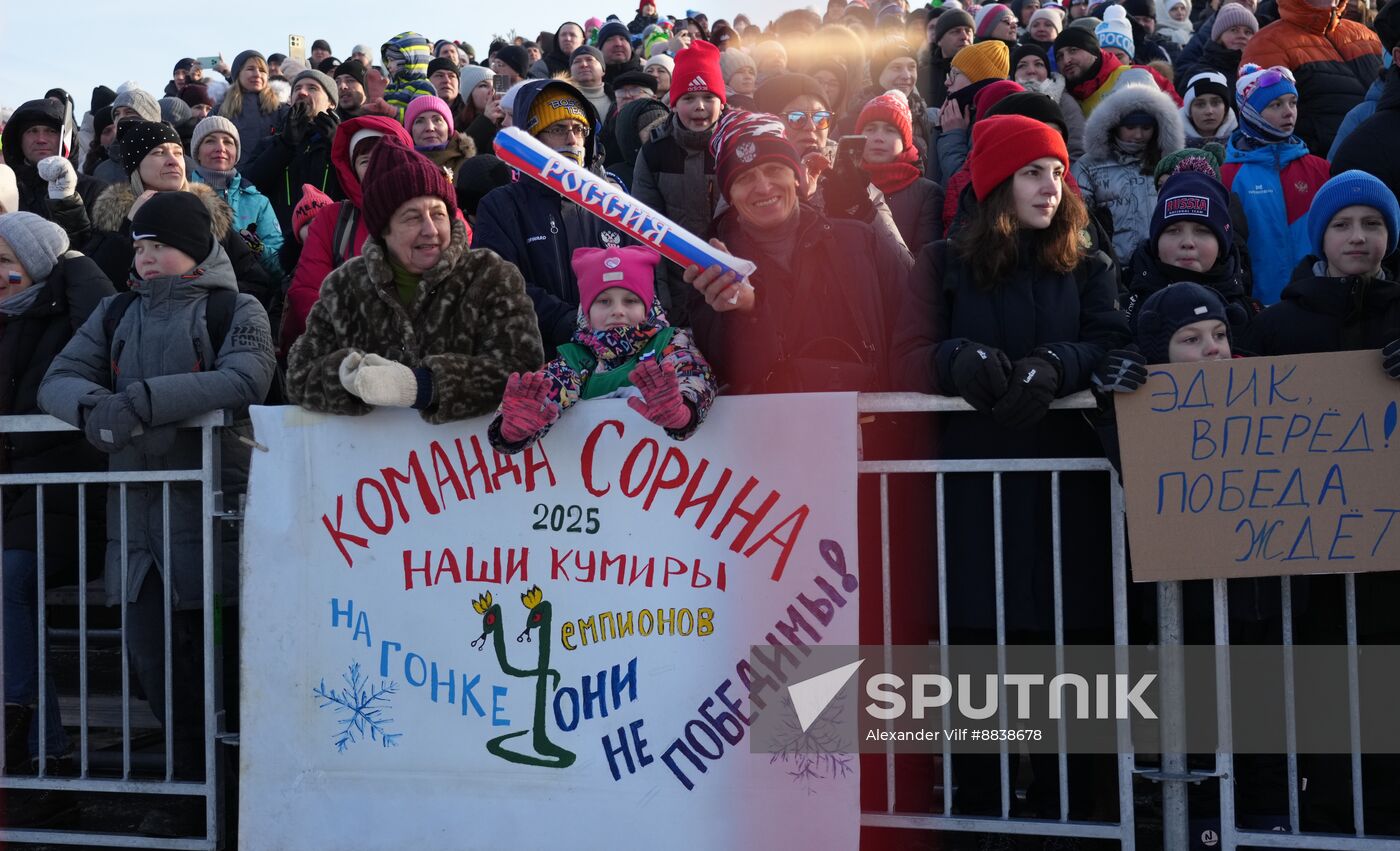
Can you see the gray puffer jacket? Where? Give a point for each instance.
(160, 350)
(1121, 183)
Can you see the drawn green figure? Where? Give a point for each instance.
(546, 753)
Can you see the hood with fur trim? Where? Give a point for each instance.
(340, 149)
(1125, 100)
(111, 207)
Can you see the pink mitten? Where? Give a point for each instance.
(526, 408)
(661, 400)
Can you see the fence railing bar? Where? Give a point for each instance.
(1354, 707)
(42, 639)
(987, 465)
(1290, 707)
(911, 403)
(1127, 759)
(82, 633)
(999, 574)
(1057, 580)
(126, 664)
(888, 627)
(939, 505)
(167, 671)
(1224, 718)
(44, 837)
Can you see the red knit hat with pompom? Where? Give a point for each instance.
(312, 200)
(891, 107)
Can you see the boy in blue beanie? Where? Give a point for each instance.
(1345, 301)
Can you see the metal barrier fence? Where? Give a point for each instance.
(1123, 830)
(1171, 773)
(96, 771)
(127, 778)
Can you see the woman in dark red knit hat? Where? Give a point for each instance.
(1011, 314)
(418, 320)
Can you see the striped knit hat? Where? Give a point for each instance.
(742, 140)
(988, 17)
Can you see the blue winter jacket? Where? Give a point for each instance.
(1275, 185)
(253, 215)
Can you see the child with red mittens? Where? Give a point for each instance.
(623, 347)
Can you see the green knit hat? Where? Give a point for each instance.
(1210, 155)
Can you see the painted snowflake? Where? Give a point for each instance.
(363, 709)
(822, 752)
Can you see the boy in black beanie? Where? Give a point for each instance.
(186, 343)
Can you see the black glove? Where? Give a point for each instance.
(297, 124)
(325, 123)
(980, 374)
(1391, 364)
(846, 193)
(1030, 390)
(1120, 371)
(112, 422)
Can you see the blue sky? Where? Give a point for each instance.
(81, 43)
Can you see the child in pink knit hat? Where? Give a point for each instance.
(623, 347)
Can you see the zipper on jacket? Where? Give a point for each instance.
(116, 361)
(561, 268)
(198, 354)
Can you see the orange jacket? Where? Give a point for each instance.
(1333, 59)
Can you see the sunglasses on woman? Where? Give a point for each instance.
(820, 119)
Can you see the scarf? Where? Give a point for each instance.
(779, 243)
(611, 348)
(891, 177)
(1098, 75)
(1133, 150)
(1254, 126)
(1052, 86)
(216, 179)
(965, 95)
(21, 301)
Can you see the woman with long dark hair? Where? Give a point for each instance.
(1011, 314)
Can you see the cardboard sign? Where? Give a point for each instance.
(1262, 467)
(448, 648)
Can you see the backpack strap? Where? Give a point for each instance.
(218, 318)
(346, 222)
(111, 318)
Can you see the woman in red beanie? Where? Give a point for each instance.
(1011, 314)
